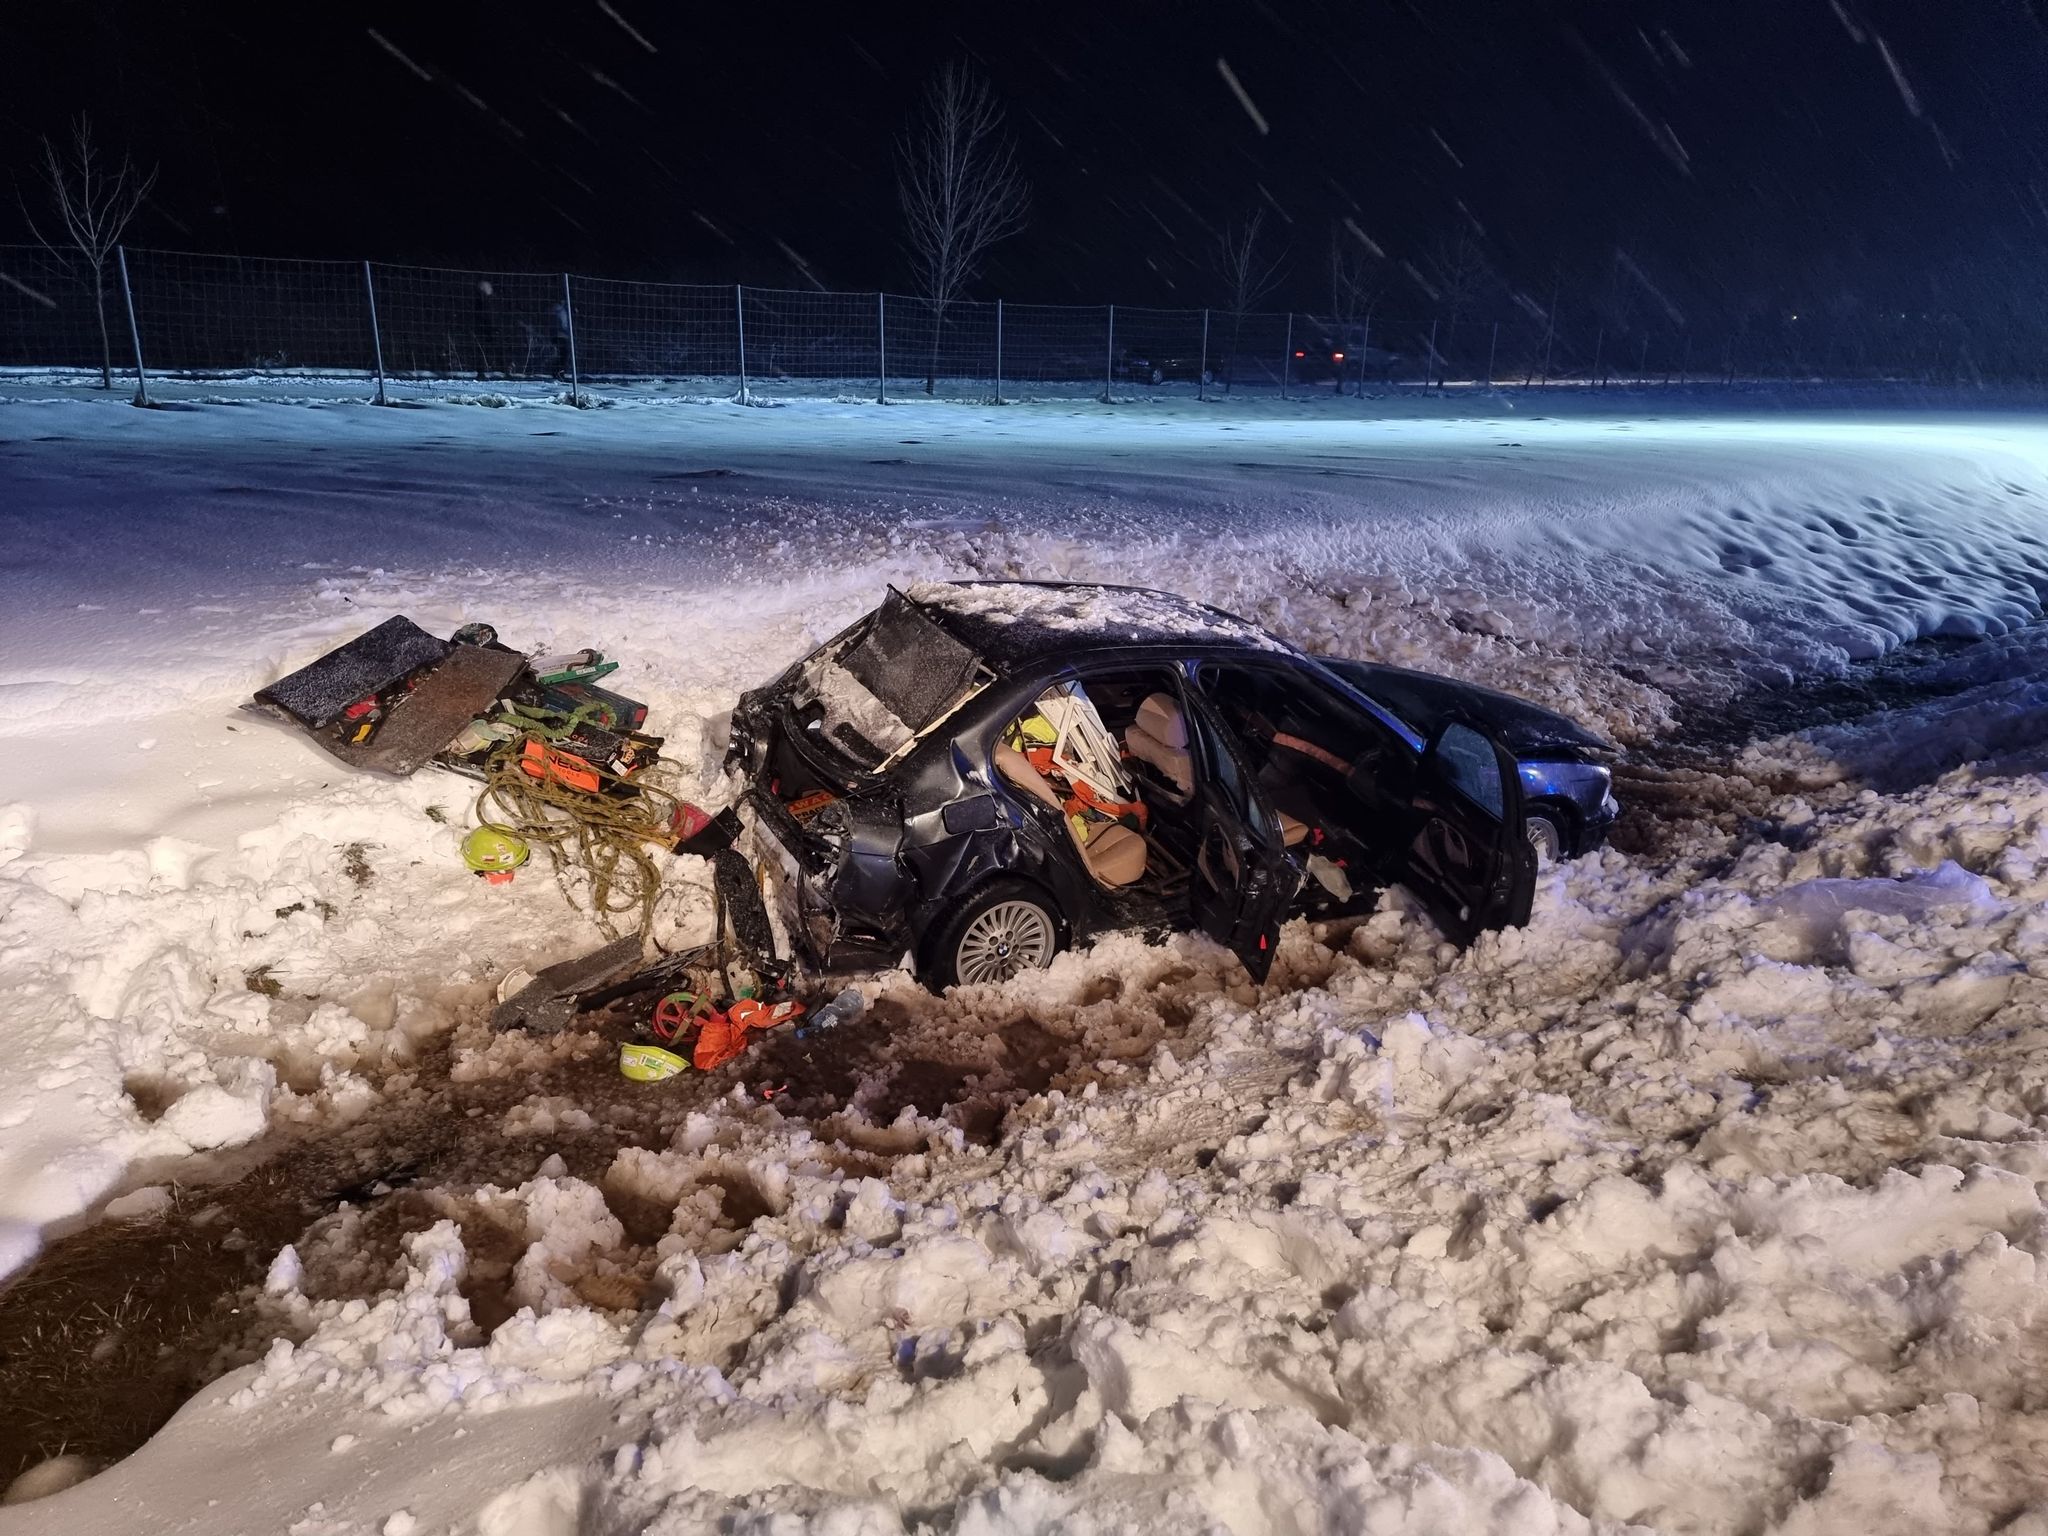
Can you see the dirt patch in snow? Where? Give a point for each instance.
(115, 1326)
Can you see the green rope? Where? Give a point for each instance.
(605, 836)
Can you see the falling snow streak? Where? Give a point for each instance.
(393, 49)
(1627, 263)
(1897, 71)
(1659, 134)
(610, 84)
(1363, 238)
(1898, 75)
(488, 110)
(1243, 96)
(799, 263)
(705, 220)
(630, 30)
(23, 288)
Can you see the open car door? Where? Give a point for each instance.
(1243, 879)
(1470, 859)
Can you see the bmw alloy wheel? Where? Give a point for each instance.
(1010, 937)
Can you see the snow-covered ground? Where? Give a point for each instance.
(1712, 1201)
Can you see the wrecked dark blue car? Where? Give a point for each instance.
(979, 774)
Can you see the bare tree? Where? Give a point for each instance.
(1460, 275)
(93, 205)
(1248, 274)
(961, 191)
(1354, 295)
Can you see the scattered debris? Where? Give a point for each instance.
(843, 1009)
(567, 768)
(548, 1002)
(258, 979)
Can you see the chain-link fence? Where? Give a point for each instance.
(400, 328)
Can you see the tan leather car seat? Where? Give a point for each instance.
(1159, 736)
(1115, 855)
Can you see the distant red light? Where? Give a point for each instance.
(1336, 357)
(1301, 354)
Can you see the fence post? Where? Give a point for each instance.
(376, 337)
(1109, 359)
(569, 321)
(1202, 375)
(1492, 350)
(1287, 354)
(1599, 350)
(999, 351)
(1685, 362)
(739, 300)
(134, 331)
(1643, 363)
(881, 349)
(1364, 347)
(1432, 366)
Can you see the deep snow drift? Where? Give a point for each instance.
(1711, 1201)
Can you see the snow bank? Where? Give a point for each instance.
(1704, 1204)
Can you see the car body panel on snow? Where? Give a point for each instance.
(980, 773)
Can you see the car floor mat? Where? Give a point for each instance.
(745, 912)
(547, 1004)
(374, 662)
(428, 715)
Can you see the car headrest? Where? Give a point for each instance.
(1160, 718)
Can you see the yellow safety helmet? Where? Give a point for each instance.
(494, 852)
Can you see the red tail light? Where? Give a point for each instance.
(1301, 354)
(1336, 357)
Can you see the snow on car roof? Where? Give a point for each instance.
(1016, 620)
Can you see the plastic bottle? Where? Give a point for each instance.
(843, 1009)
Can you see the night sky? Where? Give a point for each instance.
(1738, 151)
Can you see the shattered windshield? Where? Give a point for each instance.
(898, 675)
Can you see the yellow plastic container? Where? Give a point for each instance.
(650, 1063)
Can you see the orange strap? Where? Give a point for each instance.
(1085, 797)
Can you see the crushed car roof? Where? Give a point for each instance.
(1010, 622)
